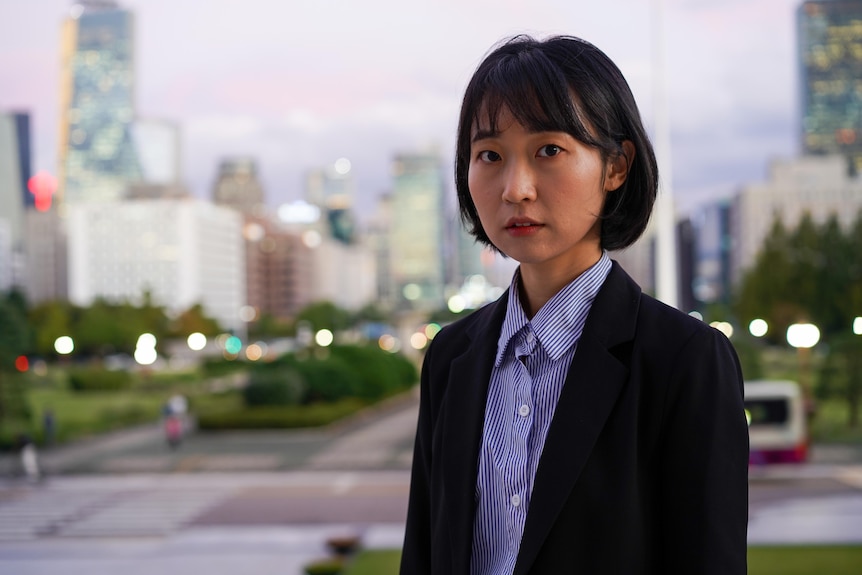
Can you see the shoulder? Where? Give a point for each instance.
(675, 343)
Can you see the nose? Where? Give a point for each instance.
(519, 183)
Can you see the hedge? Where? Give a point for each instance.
(98, 379)
(279, 417)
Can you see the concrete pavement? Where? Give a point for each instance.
(265, 502)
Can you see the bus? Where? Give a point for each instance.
(777, 426)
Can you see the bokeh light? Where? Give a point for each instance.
(758, 327)
(418, 340)
(146, 340)
(323, 338)
(64, 345)
(388, 342)
(254, 352)
(146, 355)
(233, 345)
(197, 341)
(432, 329)
(803, 335)
(723, 327)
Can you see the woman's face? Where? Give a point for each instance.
(539, 195)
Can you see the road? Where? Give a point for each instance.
(261, 503)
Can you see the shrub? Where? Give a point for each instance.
(278, 417)
(273, 387)
(97, 379)
(328, 380)
(381, 372)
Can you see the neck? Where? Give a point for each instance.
(538, 285)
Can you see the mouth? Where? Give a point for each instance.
(521, 226)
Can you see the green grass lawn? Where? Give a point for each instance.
(809, 560)
(814, 560)
(375, 562)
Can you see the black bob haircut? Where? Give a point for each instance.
(562, 84)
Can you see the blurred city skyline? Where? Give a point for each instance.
(297, 87)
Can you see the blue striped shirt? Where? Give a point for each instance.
(533, 357)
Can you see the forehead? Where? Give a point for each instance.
(536, 112)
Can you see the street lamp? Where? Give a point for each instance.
(857, 325)
(804, 336)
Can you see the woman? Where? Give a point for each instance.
(576, 425)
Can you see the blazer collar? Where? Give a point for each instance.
(594, 381)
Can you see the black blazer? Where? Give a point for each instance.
(645, 466)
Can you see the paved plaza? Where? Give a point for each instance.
(265, 503)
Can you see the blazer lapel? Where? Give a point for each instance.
(464, 412)
(594, 381)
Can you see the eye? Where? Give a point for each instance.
(489, 156)
(549, 150)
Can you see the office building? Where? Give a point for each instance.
(332, 189)
(157, 143)
(45, 274)
(325, 268)
(278, 269)
(818, 185)
(182, 252)
(237, 186)
(14, 173)
(712, 253)
(418, 246)
(830, 53)
(97, 154)
(15, 199)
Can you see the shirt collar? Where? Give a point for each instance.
(559, 323)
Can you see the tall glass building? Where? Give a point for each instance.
(97, 153)
(830, 49)
(417, 235)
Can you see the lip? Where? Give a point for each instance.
(522, 226)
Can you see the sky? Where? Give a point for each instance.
(297, 85)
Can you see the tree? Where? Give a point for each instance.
(325, 315)
(192, 320)
(765, 291)
(50, 320)
(842, 375)
(14, 338)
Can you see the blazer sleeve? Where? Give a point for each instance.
(704, 481)
(416, 553)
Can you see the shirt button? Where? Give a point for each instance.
(524, 410)
(530, 337)
(516, 500)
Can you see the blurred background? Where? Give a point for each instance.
(241, 215)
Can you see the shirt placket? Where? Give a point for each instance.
(522, 426)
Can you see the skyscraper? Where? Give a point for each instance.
(418, 232)
(97, 153)
(830, 50)
(332, 189)
(14, 173)
(237, 186)
(14, 197)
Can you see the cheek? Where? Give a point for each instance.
(478, 190)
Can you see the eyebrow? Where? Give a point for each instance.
(487, 134)
(484, 135)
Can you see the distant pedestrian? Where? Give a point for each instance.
(29, 458)
(173, 430)
(48, 426)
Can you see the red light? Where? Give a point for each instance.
(22, 364)
(42, 185)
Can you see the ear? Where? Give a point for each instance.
(617, 169)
